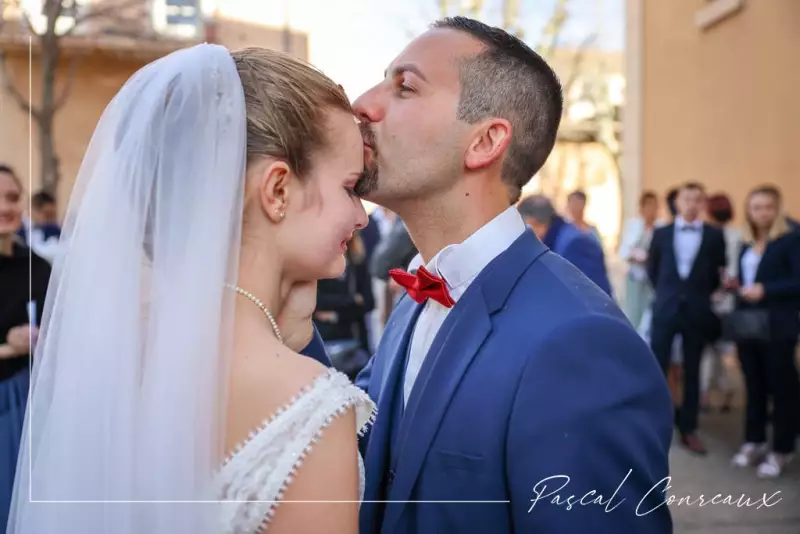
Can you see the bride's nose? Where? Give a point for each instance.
(362, 219)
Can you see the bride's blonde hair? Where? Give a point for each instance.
(286, 101)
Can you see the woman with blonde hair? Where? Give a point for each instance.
(765, 326)
(168, 395)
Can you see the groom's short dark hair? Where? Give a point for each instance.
(511, 81)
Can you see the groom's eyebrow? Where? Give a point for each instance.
(397, 70)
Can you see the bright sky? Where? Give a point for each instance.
(353, 41)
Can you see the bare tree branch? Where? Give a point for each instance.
(577, 62)
(17, 5)
(67, 87)
(552, 30)
(11, 89)
(114, 11)
(121, 17)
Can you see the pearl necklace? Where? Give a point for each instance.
(262, 307)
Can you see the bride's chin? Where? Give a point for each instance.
(336, 267)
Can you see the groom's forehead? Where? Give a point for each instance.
(435, 53)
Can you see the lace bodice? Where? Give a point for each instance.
(261, 468)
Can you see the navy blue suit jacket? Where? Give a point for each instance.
(581, 250)
(535, 376)
(316, 350)
(695, 291)
(779, 273)
(371, 236)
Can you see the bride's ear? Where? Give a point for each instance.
(274, 190)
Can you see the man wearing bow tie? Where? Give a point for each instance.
(504, 373)
(684, 265)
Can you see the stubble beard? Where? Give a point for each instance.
(368, 183)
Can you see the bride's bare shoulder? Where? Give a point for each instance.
(261, 384)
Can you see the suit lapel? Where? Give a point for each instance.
(700, 251)
(395, 343)
(672, 249)
(456, 344)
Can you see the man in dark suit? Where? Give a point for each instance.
(579, 248)
(685, 265)
(371, 236)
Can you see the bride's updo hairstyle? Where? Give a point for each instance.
(287, 101)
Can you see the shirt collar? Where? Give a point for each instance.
(681, 223)
(459, 264)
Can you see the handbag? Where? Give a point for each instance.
(746, 325)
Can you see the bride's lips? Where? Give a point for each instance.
(344, 243)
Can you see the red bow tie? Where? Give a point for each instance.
(423, 285)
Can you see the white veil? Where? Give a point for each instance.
(129, 381)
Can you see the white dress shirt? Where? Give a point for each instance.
(458, 265)
(750, 262)
(688, 237)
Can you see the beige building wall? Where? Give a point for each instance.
(104, 67)
(712, 96)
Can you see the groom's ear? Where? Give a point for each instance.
(274, 189)
(489, 143)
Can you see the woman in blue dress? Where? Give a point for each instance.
(23, 278)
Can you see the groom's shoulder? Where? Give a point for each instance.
(555, 286)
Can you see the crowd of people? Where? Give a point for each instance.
(688, 301)
(699, 289)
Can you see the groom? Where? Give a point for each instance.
(504, 375)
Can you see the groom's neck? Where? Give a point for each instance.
(438, 221)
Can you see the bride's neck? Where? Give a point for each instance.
(261, 273)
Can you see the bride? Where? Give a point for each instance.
(165, 397)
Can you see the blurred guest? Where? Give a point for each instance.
(370, 236)
(382, 221)
(671, 199)
(713, 373)
(684, 265)
(23, 276)
(565, 239)
(41, 232)
(768, 283)
(675, 373)
(44, 214)
(635, 242)
(576, 214)
(343, 302)
(395, 251)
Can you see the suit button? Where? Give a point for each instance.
(390, 478)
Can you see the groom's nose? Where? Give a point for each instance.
(369, 107)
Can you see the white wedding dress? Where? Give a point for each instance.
(254, 478)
